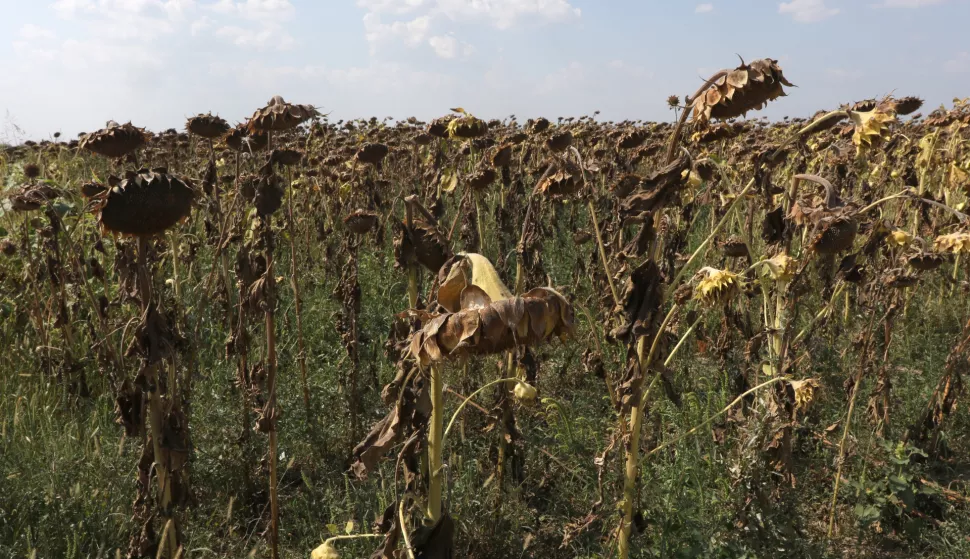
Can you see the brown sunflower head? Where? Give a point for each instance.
(373, 154)
(279, 115)
(31, 171)
(242, 140)
(208, 126)
(925, 261)
(33, 197)
(835, 234)
(92, 189)
(420, 245)
(633, 139)
(286, 157)
(8, 247)
(268, 196)
(565, 181)
(560, 142)
(908, 105)
(748, 87)
(145, 203)
(482, 179)
(486, 327)
(539, 125)
(361, 221)
(467, 126)
(502, 156)
(439, 126)
(115, 141)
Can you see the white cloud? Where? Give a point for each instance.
(31, 32)
(419, 22)
(254, 24)
(910, 3)
(807, 11)
(200, 26)
(265, 37)
(960, 64)
(448, 47)
(445, 46)
(256, 10)
(411, 32)
(704, 8)
(392, 6)
(67, 9)
(505, 14)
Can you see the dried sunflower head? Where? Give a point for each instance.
(207, 126)
(502, 156)
(633, 139)
(735, 247)
(467, 126)
(717, 286)
(560, 142)
(115, 141)
(145, 203)
(32, 197)
(325, 551)
(482, 179)
(361, 221)
(372, 153)
(871, 128)
(539, 125)
(804, 392)
(280, 115)
(748, 87)
(564, 182)
(925, 261)
(482, 326)
(241, 139)
(8, 247)
(31, 171)
(781, 267)
(955, 243)
(908, 105)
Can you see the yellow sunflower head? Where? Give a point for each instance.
(898, 237)
(954, 243)
(781, 267)
(717, 286)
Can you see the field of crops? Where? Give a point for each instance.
(715, 337)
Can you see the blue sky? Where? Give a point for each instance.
(71, 65)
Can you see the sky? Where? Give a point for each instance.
(71, 65)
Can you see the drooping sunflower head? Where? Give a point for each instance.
(781, 267)
(954, 243)
(717, 287)
(872, 128)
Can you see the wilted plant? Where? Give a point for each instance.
(146, 204)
